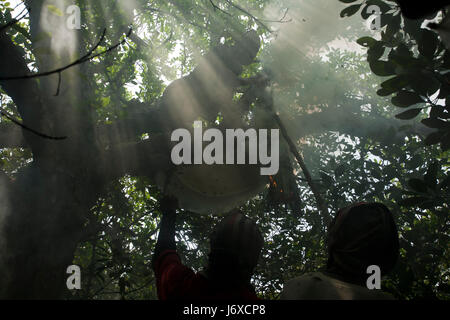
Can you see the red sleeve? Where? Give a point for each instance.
(173, 279)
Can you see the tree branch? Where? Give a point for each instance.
(258, 21)
(344, 121)
(14, 21)
(24, 92)
(216, 7)
(281, 20)
(42, 135)
(143, 158)
(321, 204)
(87, 57)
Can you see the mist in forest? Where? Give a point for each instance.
(309, 26)
(97, 190)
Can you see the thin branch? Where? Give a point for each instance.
(59, 84)
(146, 284)
(258, 21)
(281, 20)
(177, 17)
(113, 47)
(14, 21)
(167, 39)
(141, 287)
(9, 117)
(43, 135)
(99, 291)
(216, 7)
(87, 57)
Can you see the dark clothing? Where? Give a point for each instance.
(359, 236)
(166, 237)
(175, 281)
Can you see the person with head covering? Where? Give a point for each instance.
(235, 246)
(360, 236)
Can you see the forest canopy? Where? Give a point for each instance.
(90, 91)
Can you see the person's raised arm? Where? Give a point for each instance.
(166, 237)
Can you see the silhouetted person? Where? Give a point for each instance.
(235, 246)
(359, 236)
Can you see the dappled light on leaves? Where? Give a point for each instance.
(363, 116)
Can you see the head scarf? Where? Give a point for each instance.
(236, 244)
(361, 235)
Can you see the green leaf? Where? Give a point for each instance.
(406, 98)
(412, 113)
(423, 84)
(401, 54)
(106, 101)
(397, 83)
(383, 92)
(351, 10)
(347, 1)
(435, 123)
(433, 138)
(382, 5)
(382, 68)
(366, 41)
(375, 51)
(365, 14)
(437, 112)
(428, 43)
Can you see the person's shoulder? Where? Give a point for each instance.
(307, 277)
(319, 286)
(295, 288)
(351, 291)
